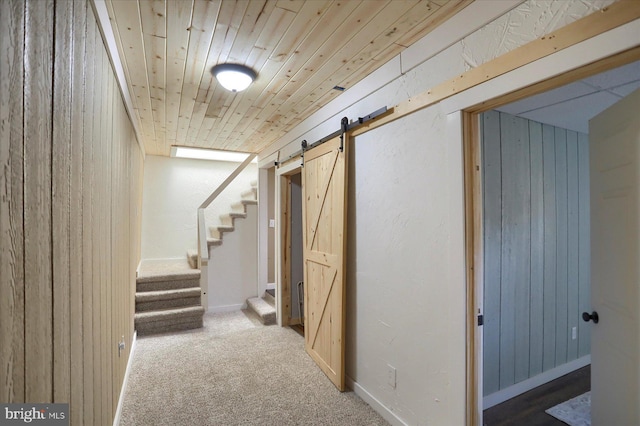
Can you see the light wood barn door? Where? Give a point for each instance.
(324, 187)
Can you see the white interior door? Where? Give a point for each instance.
(615, 263)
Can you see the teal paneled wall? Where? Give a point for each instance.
(536, 248)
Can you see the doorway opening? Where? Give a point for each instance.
(290, 272)
(526, 161)
(295, 247)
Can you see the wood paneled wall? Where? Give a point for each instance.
(536, 248)
(70, 192)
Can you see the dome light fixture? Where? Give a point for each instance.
(234, 77)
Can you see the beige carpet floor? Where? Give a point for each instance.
(234, 371)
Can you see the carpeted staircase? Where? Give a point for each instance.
(264, 308)
(167, 297)
(168, 293)
(238, 211)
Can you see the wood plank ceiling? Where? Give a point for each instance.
(300, 49)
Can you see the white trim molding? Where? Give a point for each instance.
(377, 406)
(102, 16)
(227, 308)
(123, 390)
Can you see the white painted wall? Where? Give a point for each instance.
(406, 269)
(405, 292)
(173, 190)
(232, 271)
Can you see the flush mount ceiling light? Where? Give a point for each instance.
(234, 77)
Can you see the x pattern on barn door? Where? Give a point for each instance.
(324, 211)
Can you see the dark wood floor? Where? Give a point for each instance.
(528, 409)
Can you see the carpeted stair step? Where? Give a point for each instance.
(167, 275)
(229, 219)
(167, 299)
(192, 258)
(241, 205)
(266, 313)
(251, 194)
(168, 320)
(218, 231)
(168, 283)
(211, 242)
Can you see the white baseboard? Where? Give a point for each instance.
(526, 385)
(116, 418)
(271, 286)
(377, 406)
(227, 308)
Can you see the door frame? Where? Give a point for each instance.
(283, 232)
(465, 120)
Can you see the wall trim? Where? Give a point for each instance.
(102, 16)
(227, 308)
(596, 24)
(263, 230)
(268, 161)
(123, 390)
(377, 406)
(535, 381)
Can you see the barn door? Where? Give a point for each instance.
(324, 180)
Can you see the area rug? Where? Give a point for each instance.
(574, 412)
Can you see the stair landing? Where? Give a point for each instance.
(154, 270)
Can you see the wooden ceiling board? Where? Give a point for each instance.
(203, 21)
(290, 5)
(328, 76)
(340, 65)
(305, 65)
(217, 99)
(154, 17)
(281, 66)
(298, 73)
(223, 38)
(128, 30)
(155, 49)
(245, 21)
(300, 50)
(432, 20)
(178, 24)
(284, 112)
(343, 77)
(273, 52)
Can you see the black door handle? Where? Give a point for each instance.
(593, 316)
